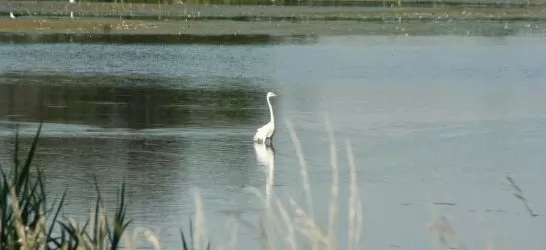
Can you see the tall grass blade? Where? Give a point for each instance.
(288, 223)
(96, 223)
(26, 168)
(43, 194)
(354, 201)
(334, 201)
(303, 167)
(119, 221)
(16, 152)
(4, 220)
(191, 236)
(184, 245)
(55, 216)
(19, 224)
(72, 232)
(199, 220)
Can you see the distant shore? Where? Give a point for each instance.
(179, 11)
(179, 23)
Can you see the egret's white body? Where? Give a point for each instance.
(265, 133)
(71, 12)
(11, 15)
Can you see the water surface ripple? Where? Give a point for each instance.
(436, 122)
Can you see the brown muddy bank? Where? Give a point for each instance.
(49, 22)
(468, 9)
(240, 33)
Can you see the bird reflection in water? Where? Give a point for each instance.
(266, 158)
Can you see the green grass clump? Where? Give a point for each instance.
(28, 220)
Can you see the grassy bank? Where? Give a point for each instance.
(159, 5)
(270, 13)
(246, 33)
(31, 218)
(225, 24)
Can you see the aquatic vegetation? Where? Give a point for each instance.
(31, 220)
(289, 225)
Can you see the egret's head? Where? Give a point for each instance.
(271, 94)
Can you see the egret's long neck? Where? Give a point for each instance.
(271, 111)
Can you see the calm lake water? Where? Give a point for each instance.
(436, 123)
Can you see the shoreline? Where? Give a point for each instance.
(258, 24)
(259, 32)
(266, 12)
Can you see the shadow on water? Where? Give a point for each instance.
(234, 39)
(132, 102)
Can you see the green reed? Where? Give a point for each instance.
(29, 220)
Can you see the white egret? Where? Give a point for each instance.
(265, 133)
(11, 15)
(72, 2)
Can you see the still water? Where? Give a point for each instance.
(435, 122)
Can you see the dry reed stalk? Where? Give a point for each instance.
(334, 201)
(129, 243)
(354, 201)
(283, 224)
(265, 239)
(19, 225)
(103, 228)
(79, 237)
(199, 220)
(309, 228)
(153, 239)
(291, 238)
(303, 165)
(233, 228)
(41, 235)
(305, 222)
(150, 236)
